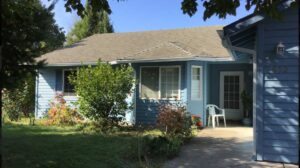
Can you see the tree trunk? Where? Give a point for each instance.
(1, 89)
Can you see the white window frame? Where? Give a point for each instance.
(159, 82)
(201, 81)
(63, 83)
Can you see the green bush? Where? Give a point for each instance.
(102, 91)
(60, 113)
(159, 147)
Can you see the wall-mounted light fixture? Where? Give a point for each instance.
(280, 49)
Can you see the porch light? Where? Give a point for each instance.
(280, 49)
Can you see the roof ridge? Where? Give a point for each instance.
(158, 30)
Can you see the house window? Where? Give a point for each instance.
(68, 88)
(160, 82)
(169, 82)
(149, 82)
(196, 83)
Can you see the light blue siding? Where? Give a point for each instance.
(277, 108)
(45, 90)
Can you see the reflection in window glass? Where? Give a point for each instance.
(196, 83)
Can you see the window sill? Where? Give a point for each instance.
(160, 99)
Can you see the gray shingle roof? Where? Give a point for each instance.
(203, 42)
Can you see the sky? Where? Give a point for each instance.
(143, 15)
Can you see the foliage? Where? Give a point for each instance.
(28, 30)
(61, 113)
(196, 120)
(91, 23)
(102, 91)
(151, 147)
(173, 120)
(20, 101)
(247, 102)
(190, 7)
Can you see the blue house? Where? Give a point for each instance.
(200, 66)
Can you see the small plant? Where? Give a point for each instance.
(173, 120)
(61, 113)
(196, 120)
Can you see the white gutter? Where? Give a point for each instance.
(196, 58)
(70, 64)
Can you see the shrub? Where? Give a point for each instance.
(102, 91)
(20, 100)
(150, 147)
(61, 113)
(173, 120)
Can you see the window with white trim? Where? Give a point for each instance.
(68, 88)
(196, 83)
(160, 82)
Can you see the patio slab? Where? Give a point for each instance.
(220, 148)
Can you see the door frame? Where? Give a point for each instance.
(221, 91)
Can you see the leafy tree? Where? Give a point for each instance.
(90, 24)
(28, 30)
(221, 8)
(102, 91)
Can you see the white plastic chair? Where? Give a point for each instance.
(213, 115)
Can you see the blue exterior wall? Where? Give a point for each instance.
(147, 109)
(277, 90)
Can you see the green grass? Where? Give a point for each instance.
(51, 146)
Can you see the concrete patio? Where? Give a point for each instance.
(219, 148)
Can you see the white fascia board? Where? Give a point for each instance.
(196, 58)
(175, 59)
(70, 64)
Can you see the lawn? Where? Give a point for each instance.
(51, 146)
